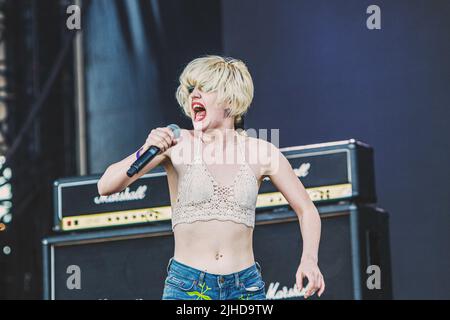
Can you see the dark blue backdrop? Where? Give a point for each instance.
(321, 75)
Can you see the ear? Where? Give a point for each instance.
(227, 112)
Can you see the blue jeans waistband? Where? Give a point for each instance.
(197, 274)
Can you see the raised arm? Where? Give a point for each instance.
(286, 181)
(115, 178)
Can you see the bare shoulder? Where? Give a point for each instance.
(260, 145)
(267, 155)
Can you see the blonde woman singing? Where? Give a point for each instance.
(214, 178)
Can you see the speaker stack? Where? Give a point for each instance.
(118, 247)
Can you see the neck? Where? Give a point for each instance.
(218, 135)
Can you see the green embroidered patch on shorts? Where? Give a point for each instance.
(200, 295)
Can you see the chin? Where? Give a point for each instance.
(200, 125)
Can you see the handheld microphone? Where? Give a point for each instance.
(150, 153)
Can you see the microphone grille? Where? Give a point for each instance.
(175, 129)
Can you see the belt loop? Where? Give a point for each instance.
(259, 267)
(236, 278)
(202, 276)
(168, 265)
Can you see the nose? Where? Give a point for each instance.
(196, 93)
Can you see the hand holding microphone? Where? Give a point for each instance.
(159, 140)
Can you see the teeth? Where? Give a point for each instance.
(198, 108)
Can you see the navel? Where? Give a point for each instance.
(218, 256)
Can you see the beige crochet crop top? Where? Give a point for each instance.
(201, 197)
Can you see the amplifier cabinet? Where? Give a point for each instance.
(354, 240)
(130, 263)
(335, 171)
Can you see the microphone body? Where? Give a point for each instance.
(149, 154)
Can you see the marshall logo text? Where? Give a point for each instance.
(125, 195)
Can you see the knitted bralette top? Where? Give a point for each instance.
(201, 197)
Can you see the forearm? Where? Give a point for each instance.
(115, 178)
(310, 228)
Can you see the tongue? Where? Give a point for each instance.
(199, 116)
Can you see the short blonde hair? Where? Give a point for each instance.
(229, 76)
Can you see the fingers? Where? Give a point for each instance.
(170, 132)
(322, 286)
(300, 277)
(315, 283)
(318, 280)
(173, 140)
(160, 137)
(164, 140)
(311, 287)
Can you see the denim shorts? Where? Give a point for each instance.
(187, 283)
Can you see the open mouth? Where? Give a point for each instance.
(199, 111)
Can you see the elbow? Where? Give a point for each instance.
(108, 184)
(102, 185)
(103, 191)
(310, 211)
(100, 188)
(315, 215)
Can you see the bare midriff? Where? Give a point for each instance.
(218, 247)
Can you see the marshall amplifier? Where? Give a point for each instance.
(78, 205)
(331, 172)
(130, 263)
